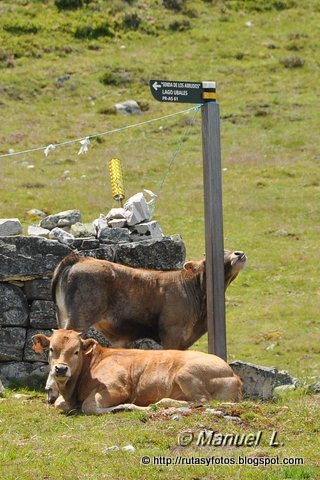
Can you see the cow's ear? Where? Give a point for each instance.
(194, 267)
(40, 343)
(189, 266)
(88, 344)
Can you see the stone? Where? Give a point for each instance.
(1, 389)
(114, 235)
(34, 212)
(22, 374)
(144, 344)
(115, 213)
(38, 231)
(13, 306)
(29, 355)
(38, 289)
(26, 258)
(10, 226)
(82, 230)
(89, 244)
(101, 339)
(100, 224)
(43, 314)
(137, 209)
(129, 448)
(314, 387)
(165, 254)
(213, 411)
(61, 219)
(148, 229)
(12, 341)
(128, 107)
(278, 391)
(259, 381)
(117, 223)
(233, 419)
(114, 448)
(61, 235)
(105, 252)
(106, 234)
(176, 418)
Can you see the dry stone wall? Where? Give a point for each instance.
(26, 307)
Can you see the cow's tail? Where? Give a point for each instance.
(59, 286)
(61, 271)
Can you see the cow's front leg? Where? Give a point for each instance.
(102, 402)
(52, 389)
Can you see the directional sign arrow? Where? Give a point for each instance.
(156, 85)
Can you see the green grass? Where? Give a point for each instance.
(48, 444)
(271, 192)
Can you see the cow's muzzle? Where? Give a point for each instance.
(240, 257)
(61, 370)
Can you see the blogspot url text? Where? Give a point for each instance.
(221, 460)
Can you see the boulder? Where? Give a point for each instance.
(29, 355)
(128, 107)
(43, 314)
(36, 231)
(61, 219)
(13, 306)
(89, 243)
(114, 235)
(22, 374)
(115, 213)
(81, 230)
(26, 258)
(105, 252)
(149, 229)
(165, 254)
(10, 226)
(117, 223)
(38, 289)
(61, 235)
(12, 340)
(259, 381)
(137, 209)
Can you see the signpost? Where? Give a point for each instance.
(205, 93)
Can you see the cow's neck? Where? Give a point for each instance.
(195, 288)
(69, 390)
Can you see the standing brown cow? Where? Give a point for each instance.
(127, 304)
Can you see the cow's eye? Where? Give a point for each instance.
(51, 349)
(77, 352)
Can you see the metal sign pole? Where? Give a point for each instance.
(211, 152)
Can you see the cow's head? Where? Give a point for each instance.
(233, 263)
(66, 351)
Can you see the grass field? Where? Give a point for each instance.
(264, 57)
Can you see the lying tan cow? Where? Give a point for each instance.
(127, 304)
(96, 379)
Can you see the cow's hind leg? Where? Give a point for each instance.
(226, 389)
(193, 388)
